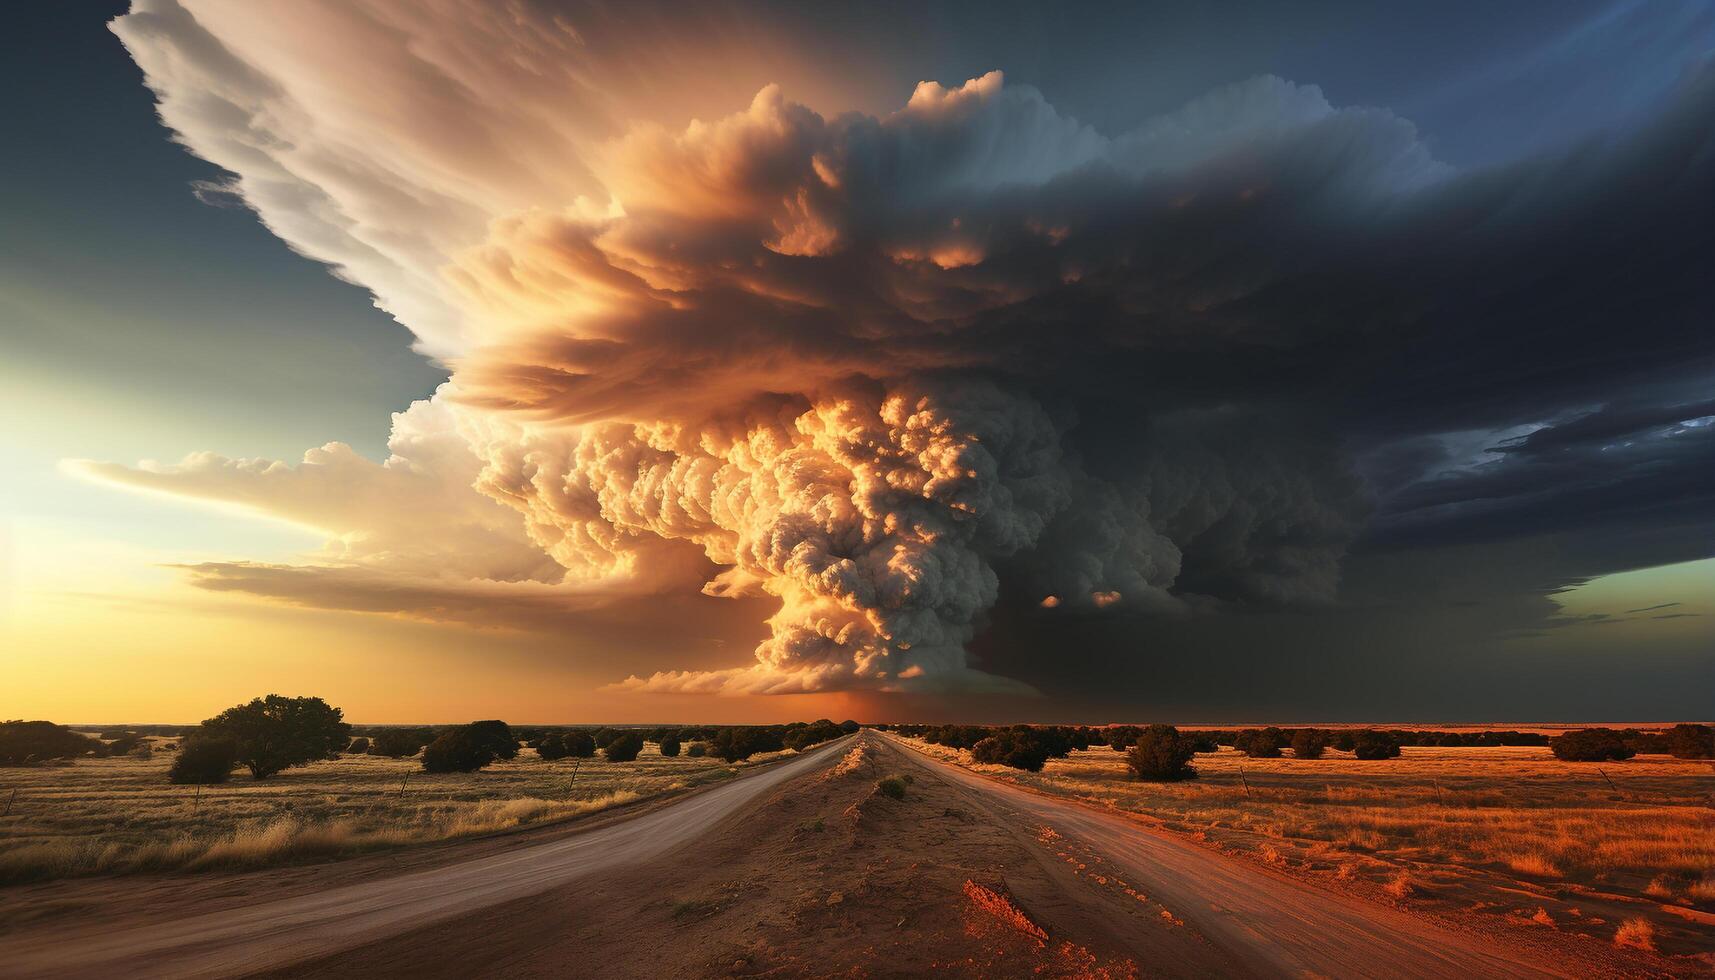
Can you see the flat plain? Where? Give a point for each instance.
(121, 814)
(1620, 852)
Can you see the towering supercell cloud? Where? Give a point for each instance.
(868, 366)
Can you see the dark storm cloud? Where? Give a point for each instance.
(974, 361)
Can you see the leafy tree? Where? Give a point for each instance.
(1590, 745)
(275, 732)
(848, 726)
(696, 750)
(1691, 741)
(1308, 743)
(397, 743)
(1345, 741)
(1374, 745)
(1014, 747)
(1263, 743)
(669, 745)
(742, 742)
(25, 742)
(358, 746)
(204, 759)
(1161, 755)
(458, 750)
(579, 744)
(497, 735)
(552, 747)
(623, 747)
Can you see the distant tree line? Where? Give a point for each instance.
(1163, 753)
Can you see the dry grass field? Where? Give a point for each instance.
(1624, 851)
(103, 816)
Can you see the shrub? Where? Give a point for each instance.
(26, 742)
(696, 750)
(1013, 747)
(1374, 745)
(460, 750)
(358, 746)
(579, 745)
(553, 747)
(734, 744)
(1345, 741)
(1260, 743)
(669, 745)
(396, 743)
(275, 733)
(204, 759)
(1590, 745)
(1161, 755)
(1691, 741)
(848, 726)
(1308, 743)
(623, 747)
(893, 787)
(497, 735)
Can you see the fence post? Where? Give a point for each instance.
(1245, 781)
(575, 767)
(9, 801)
(402, 783)
(1610, 782)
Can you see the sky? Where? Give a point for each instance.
(766, 361)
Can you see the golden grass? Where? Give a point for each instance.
(1636, 933)
(1502, 810)
(109, 816)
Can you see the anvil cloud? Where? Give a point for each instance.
(875, 368)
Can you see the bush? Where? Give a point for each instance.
(1260, 743)
(623, 747)
(669, 745)
(204, 759)
(1013, 747)
(1590, 745)
(1345, 741)
(579, 745)
(735, 744)
(397, 743)
(1691, 741)
(25, 742)
(893, 787)
(696, 750)
(275, 733)
(358, 746)
(1308, 743)
(1161, 755)
(497, 735)
(552, 747)
(1374, 745)
(461, 750)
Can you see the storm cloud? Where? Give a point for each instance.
(896, 373)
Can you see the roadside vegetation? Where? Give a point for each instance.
(1562, 829)
(280, 780)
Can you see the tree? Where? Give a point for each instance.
(358, 746)
(1161, 755)
(669, 745)
(696, 750)
(1308, 743)
(497, 735)
(1691, 741)
(25, 742)
(1590, 745)
(1374, 745)
(396, 743)
(579, 745)
(1013, 747)
(275, 732)
(624, 747)
(1345, 741)
(742, 742)
(460, 750)
(204, 759)
(552, 747)
(1263, 743)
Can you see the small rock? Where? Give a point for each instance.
(835, 898)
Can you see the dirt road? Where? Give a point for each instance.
(1271, 924)
(271, 934)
